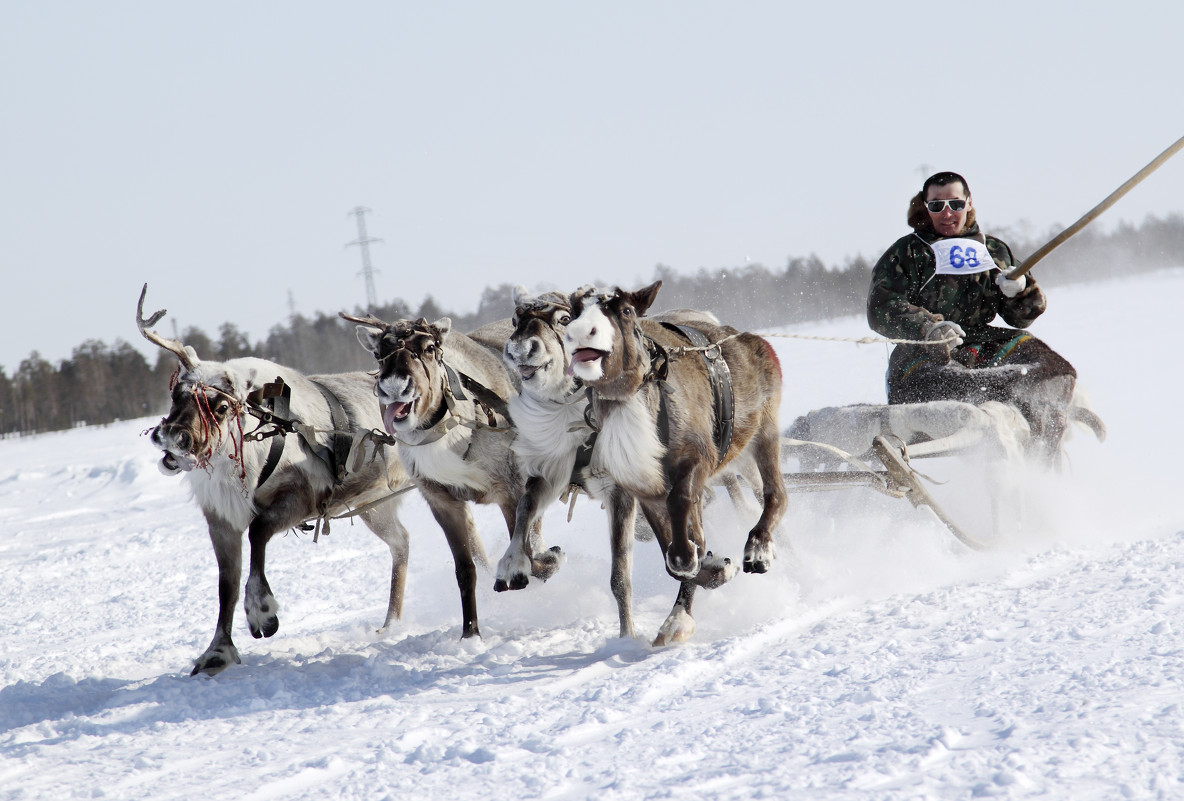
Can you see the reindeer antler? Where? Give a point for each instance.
(369, 319)
(186, 355)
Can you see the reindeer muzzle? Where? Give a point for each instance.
(176, 457)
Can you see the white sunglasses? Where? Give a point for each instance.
(938, 206)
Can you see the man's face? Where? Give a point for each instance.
(948, 222)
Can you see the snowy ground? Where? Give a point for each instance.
(879, 659)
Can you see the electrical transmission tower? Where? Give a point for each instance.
(363, 241)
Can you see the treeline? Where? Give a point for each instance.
(99, 384)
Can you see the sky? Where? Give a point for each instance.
(216, 151)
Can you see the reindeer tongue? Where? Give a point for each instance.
(172, 463)
(583, 355)
(393, 412)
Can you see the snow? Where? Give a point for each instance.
(879, 658)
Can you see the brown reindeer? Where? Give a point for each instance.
(443, 397)
(666, 426)
(268, 486)
(552, 436)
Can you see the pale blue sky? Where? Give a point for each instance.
(215, 149)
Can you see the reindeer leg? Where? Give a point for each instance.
(759, 550)
(686, 541)
(228, 551)
(385, 523)
(622, 511)
(514, 568)
(261, 606)
(679, 625)
(519, 562)
(714, 571)
(461, 532)
(1045, 404)
(262, 609)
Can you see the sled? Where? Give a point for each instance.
(888, 439)
(897, 479)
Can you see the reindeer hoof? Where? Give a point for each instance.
(682, 567)
(547, 563)
(262, 608)
(513, 571)
(266, 627)
(216, 660)
(758, 556)
(678, 627)
(518, 581)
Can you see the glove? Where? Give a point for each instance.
(944, 330)
(1009, 287)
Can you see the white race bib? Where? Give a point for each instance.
(961, 256)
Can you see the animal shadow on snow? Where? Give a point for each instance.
(99, 706)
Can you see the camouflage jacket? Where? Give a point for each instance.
(906, 295)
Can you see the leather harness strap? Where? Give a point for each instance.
(280, 396)
(339, 441)
(278, 399)
(585, 448)
(721, 387)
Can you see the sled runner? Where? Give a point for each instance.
(896, 479)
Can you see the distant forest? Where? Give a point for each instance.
(103, 383)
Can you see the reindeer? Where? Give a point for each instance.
(443, 396)
(548, 417)
(242, 483)
(668, 421)
(553, 440)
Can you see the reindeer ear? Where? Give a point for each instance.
(253, 381)
(241, 382)
(443, 326)
(369, 336)
(644, 298)
(520, 294)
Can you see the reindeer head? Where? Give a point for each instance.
(604, 340)
(206, 418)
(411, 380)
(535, 349)
(208, 399)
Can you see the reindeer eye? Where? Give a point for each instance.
(564, 319)
(400, 344)
(222, 408)
(431, 348)
(627, 311)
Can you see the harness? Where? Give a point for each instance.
(723, 395)
(277, 413)
(721, 387)
(271, 406)
(485, 401)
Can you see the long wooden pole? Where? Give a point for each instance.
(1093, 213)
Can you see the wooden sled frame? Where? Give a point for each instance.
(897, 479)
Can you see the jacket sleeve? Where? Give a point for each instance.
(1022, 310)
(896, 277)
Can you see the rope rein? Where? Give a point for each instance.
(855, 340)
